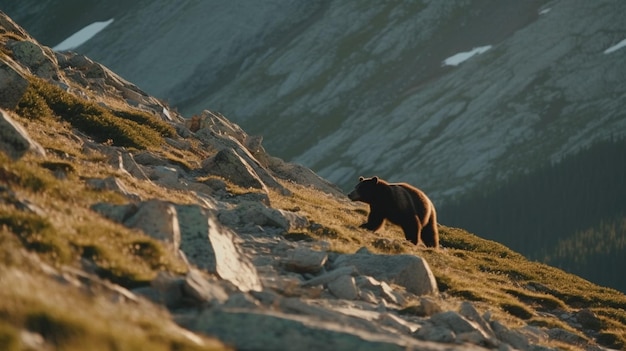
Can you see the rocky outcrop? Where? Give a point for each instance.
(14, 140)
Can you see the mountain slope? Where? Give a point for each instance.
(124, 226)
(362, 89)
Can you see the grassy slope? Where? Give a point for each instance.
(471, 268)
(68, 234)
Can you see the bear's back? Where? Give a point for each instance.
(419, 202)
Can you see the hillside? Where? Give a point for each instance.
(392, 89)
(125, 226)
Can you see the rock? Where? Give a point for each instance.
(330, 276)
(154, 217)
(379, 289)
(229, 165)
(588, 319)
(112, 184)
(241, 300)
(236, 157)
(164, 289)
(430, 332)
(217, 124)
(468, 311)
(14, 140)
(278, 331)
(215, 248)
(411, 272)
(148, 158)
(157, 219)
(302, 175)
(128, 163)
(565, 336)
(344, 287)
(511, 337)
(13, 84)
(197, 286)
(428, 306)
(391, 320)
(253, 213)
(453, 321)
(305, 260)
(166, 176)
(40, 60)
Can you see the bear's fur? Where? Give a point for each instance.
(401, 204)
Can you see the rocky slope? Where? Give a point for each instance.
(114, 202)
(388, 89)
(355, 89)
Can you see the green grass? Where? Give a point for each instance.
(128, 128)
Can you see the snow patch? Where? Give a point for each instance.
(457, 59)
(82, 36)
(616, 47)
(544, 11)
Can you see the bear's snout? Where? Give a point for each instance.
(354, 196)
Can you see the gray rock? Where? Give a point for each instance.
(453, 321)
(112, 184)
(165, 289)
(166, 175)
(430, 332)
(468, 311)
(157, 219)
(588, 319)
(213, 247)
(229, 165)
(428, 306)
(381, 290)
(199, 287)
(241, 300)
(330, 276)
(305, 260)
(565, 336)
(40, 60)
(14, 140)
(511, 337)
(277, 331)
(13, 84)
(344, 287)
(253, 213)
(411, 272)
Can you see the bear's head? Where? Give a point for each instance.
(365, 190)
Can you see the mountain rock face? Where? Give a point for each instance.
(352, 89)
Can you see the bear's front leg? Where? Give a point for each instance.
(374, 221)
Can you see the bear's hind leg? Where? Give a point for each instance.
(430, 234)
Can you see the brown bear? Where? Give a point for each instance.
(401, 204)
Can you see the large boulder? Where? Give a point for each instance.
(13, 84)
(41, 61)
(14, 140)
(215, 248)
(230, 165)
(411, 272)
(195, 231)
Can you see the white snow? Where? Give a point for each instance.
(616, 47)
(457, 59)
(82, 36)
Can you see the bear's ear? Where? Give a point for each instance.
(375, 179)
(361, 179)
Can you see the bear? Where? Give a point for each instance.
(401, 204)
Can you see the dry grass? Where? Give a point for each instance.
(468, 267)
